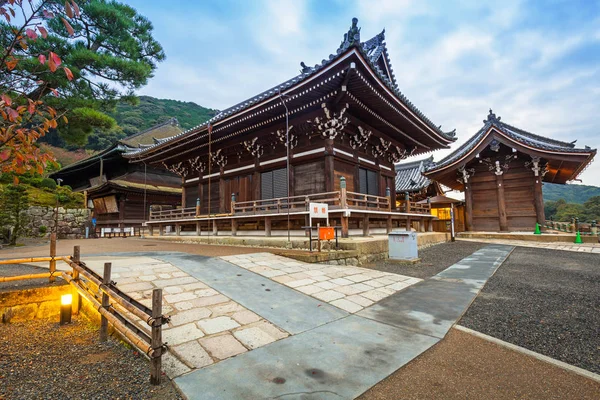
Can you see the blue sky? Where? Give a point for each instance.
(536, 63)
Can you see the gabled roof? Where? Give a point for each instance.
(409, 176)
(517, 135)
(372, 50)
(153, 134)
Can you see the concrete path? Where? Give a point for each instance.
(583, 247)
(343, 358)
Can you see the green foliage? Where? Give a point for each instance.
(150, 111)
(48, 184)
(111, 53)
(100, 140)
(14, 199)
(560, 210)
(570, 193)
(42, 229)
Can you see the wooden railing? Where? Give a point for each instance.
(413, 207)
(336, 200)
(367, 202)
(281, 205)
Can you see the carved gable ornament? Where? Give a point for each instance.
(381, 149)
(332, 125)
(196, 164)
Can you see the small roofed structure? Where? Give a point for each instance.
(120, 193)
(501, 170)
(441, 206)
(410, 179)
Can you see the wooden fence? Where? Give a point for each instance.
(115, 307)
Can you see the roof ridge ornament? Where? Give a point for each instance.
(492, 118)
(350, 38)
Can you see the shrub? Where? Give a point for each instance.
(43, 229)
(48, 183)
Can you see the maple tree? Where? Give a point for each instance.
(23, 119)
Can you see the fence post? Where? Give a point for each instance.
(156, 341)
(53, 255)
(407, 202)
(105, 303)
(77, 298)
(198, 207)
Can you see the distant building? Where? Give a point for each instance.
(118, 192)
(501, 170)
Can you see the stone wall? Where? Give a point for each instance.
(36, 303)
(71, 221)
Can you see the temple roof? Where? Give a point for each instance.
(373, 50)
(513, 133)
(153, 134)
(409, 176)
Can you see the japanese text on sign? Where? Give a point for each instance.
(318, 210)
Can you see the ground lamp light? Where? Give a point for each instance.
(65, 308)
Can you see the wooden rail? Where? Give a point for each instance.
(363, 201)
(282, 204)
(115, 307)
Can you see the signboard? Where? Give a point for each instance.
(319, 210)
(326, 233)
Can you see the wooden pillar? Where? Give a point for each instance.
(177, 229)
(256, 182)
(407, 201)
(429, 225)
(151, 228)
(366, 225)
(421, 225)
(344, 205)
(501, 203)
(160, 230)
(268, 226)
(52, 265)
(388, 227)
(408, 224)
(198, 228)
(234, 226)
(215, 228)
(329, 168)
(156, 339)
(468, 207)
(76, 296)
(183, 189)
(538, 201)
(223, 198)
(105, 303)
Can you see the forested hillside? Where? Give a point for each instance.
(151, 111)
(570, 193)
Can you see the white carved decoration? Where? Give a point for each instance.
(252, 147)
(536, 166)
(465, 174)
(360, 138)
(381, 149)
(196, 164)
(333, 124)
(178, 169)
(280, 137)
(498, 169)
(218, 158)
(397, 154)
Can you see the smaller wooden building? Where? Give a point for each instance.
(501, 170)
(118, 192)
(411, 182)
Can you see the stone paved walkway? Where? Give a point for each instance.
(206, 326)
(343, 358)
(349, 288)
(584, 247)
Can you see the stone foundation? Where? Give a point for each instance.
(35, 303)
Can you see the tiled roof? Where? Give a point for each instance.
(153, 134)
(409, 176)
(518, 135)
(372, 49)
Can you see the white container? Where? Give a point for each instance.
(403, 245)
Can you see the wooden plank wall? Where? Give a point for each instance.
(309, 178)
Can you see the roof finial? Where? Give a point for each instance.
(352, 37)
(491, 117)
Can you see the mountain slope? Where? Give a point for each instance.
(570, 193)
(151, 111)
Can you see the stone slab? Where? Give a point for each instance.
(339, 360)
(283, 306)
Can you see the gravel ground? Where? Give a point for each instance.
(544, 300)
(434, 259)
(40, 359)
(24, 269)
(463, 366)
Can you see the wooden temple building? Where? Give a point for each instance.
(501, 171)
(118, 192)
(331, 134)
